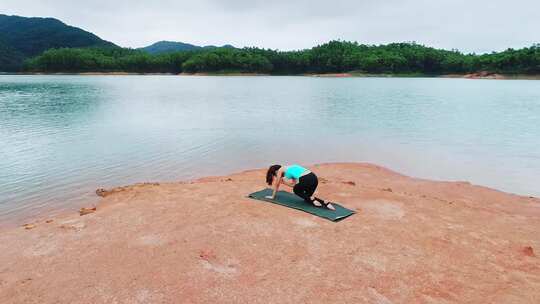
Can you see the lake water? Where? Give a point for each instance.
(61, 137)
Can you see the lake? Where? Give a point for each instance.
(61, 137)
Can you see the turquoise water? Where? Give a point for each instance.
(61, 137)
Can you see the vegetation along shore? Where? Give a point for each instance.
(331, 57)
(47, 45)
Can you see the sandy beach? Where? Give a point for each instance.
(203, 241)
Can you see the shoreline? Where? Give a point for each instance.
(412, 240)
(43, 216)
(353, 74)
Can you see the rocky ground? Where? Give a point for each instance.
(411, 241)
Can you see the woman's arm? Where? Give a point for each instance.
(277, 183)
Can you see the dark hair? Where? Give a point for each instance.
(271, 173)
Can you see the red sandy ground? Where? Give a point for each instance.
(412, 241)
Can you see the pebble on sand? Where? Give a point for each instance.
(85, 211)
(528, 251)
(29, 226)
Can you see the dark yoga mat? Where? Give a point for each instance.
(293, 201)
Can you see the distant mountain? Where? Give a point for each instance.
(10, 58)
(22, 37)
(172, 46)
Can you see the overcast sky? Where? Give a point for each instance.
(471, 26)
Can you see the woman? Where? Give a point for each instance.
(303, 182)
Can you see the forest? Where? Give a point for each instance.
(331, 57)
(22, 38)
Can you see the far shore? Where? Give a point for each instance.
(203, 241)
(478, 75)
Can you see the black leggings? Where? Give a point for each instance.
(306, 186)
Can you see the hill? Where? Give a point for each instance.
(57, 47)
(9, 57)
(162, 47)
(22, 37)
(332, 57)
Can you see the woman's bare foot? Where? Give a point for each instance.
(320, 203)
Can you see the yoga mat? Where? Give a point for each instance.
(293, 201)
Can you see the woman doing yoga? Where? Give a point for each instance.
(303, 182)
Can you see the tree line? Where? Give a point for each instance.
(331, 57)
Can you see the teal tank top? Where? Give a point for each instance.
(294, 172)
